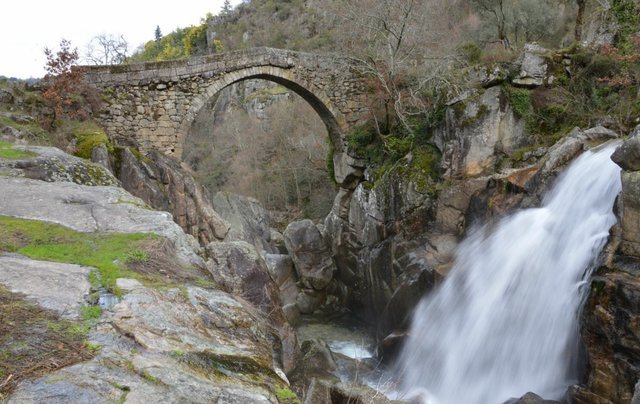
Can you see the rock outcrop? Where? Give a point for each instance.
(173, 342)
(161, 182)
(248, 220)
(611, 320)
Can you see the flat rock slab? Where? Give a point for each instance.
(90, 209)
(60, 287)
(150, 344)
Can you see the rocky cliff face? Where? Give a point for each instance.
(611, 320)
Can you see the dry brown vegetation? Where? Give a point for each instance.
(35, 341)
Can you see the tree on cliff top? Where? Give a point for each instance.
(63, 79)
(66, 92)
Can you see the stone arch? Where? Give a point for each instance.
(330, 115)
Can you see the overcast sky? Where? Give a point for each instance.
(28, 26)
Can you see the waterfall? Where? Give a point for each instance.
(505, 319)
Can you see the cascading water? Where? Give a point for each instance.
(504, 322)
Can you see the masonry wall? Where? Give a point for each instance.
(154, 104)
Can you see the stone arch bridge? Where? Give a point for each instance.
(155, 103)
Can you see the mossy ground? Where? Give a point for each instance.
(35, 341)
(147, 257)
(7, 151)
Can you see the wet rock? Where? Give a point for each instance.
(248, 219)
(531, 398)
(163, 184)
(611, 333)
(309, 300)
(533, 67)
(328, 392)
(310, 253)
(63, 288)
(317, 361)
(627, 155)
(630, 214)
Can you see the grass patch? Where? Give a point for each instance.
(143, 256)
(286, 396)
(7, 151)
(52, 242)
(90, 312)
(35, 341)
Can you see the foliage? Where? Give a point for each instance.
(282, 162)
(513, 23)
(90, 312)
(627, 15)
(471, 52)
(63, 80)
(179, 44)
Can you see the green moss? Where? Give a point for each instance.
(52, 242)
(89, 135)
(92, 347)
(285, 395)
(627, 14)
(145, 374)
(7, 151)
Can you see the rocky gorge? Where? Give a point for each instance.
(214, 316)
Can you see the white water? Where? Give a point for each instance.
(504, 322)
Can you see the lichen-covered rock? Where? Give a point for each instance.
(248, 220)
(476, 129)
(163, 184)
(533, 67)
(627, 155)
(53, 165)
(100, 155)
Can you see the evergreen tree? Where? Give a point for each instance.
(158, 33)
(226, 8)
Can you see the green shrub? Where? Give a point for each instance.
(471, 52)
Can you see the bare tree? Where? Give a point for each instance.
(396, 42)
(107, 49)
